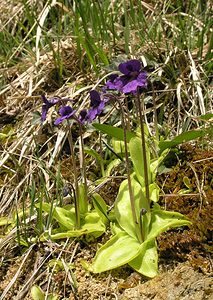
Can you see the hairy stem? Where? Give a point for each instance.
(76, 194)
(155, 113)
(83, 164)
(140, 109)
(131, 195)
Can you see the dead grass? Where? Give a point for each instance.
(181, 96)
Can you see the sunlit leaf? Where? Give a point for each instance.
(118, 146)
(37, 293)
(182, 138)
(91, 225)
(115, 228)
(136, 153)
(119, 250)
(163, 220)
(112, 131)
(83, 202)
(146, 262)
(123, 211)
(154, 191)
(155, 163)
(100, 206)
(63, 216)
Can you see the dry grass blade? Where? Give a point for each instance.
(197, 82)
(41, 20)
(17, 273)
(52, 51)
(33, 278)
(70, 276)
(6, 154)
(55, 264)
(61, 137)
(7, 239)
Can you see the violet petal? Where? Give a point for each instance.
(133, 65)
(95, 98)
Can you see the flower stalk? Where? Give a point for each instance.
(131, 195)
(83, 165)
(76, 194)
(140, 109)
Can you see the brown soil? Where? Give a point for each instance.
(181, 283)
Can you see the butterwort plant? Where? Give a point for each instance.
(78, 219)
(138, 217)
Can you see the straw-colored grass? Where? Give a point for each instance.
(54, 48)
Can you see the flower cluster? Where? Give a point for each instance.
(97, 105)
(131, 80)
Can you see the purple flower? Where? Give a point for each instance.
(97, 106)
(130, 67)
(47, 105)
(131, 81)
(66, 112)
(82, 116)
(115, 82)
